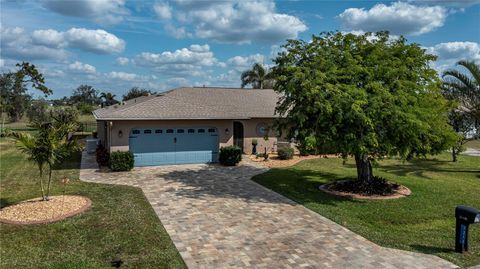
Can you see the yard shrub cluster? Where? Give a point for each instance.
(230, 155)
(121, 161)
(285, 153)
(307, 145)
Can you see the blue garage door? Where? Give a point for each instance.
(157, 146)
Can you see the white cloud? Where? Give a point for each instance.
(451, 52)
(399, 18)
(122, 61)
(233, 21)
(195, 55)
(51, 44)
(242, 63)
(163, 10)
(123, 76)
(97, 41)
(449, 3)
(79, 67)
(100, 11)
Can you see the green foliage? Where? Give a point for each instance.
(121, 161)
(258, 77)
(254, 142)
(365, 95)
(465, 88)
(230, 155)
(263, 155)
(102, 156)
(85, 108)
(285, 153)
(108, 98)
(38, 111)
(85, 94)
(307, 145)
(48, 146)
(136, 92)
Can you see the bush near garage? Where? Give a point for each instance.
(285, 153)
(230, 156)
(121, 161)
(102, 156)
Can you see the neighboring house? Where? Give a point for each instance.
(188, 125)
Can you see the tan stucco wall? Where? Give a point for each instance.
(118, 143)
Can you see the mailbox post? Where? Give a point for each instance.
(464, 216)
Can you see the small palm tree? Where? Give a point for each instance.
(48, 147)
(109, 98)
(258, 77)
(465, 87)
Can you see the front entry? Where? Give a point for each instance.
(238, 134)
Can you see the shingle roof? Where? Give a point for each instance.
(195, 103)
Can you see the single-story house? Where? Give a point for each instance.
(189, 125)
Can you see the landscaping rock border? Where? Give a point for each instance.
(401, 192)
(82, 209)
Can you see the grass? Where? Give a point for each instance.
(423, 222)
(121, 223)
(87, 121)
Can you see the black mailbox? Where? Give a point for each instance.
(465, 216)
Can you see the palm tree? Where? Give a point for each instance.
(109, 98)
(258, 77)
(465, 87)
(48, 147)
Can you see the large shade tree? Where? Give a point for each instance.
(258, 77)
(368, 96)
(135, 92)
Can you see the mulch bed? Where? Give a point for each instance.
(399, 192)
(36, 211)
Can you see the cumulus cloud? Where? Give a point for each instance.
(241, 63)
(100, 11)
(399, 18)
(122, 61)
(79, 67)
(51, 44)
(123, 76)
(187, 58)
(163, 10)
(451, 52)
(232, 21)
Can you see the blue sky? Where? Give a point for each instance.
(114, 45)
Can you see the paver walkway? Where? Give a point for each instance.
(218, 218)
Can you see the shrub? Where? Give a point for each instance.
(285, 153)
(102, 156)
(85, 108)
(263, 155)
(307, 146)
(230, 155)
(121, 161)
(254, 142)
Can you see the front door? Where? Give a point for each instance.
(238, 134)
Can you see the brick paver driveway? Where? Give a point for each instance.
(218, 218)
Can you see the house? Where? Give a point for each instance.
(189, 125)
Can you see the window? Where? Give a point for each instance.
(191, 131)
(201, 131)
(211, 130)
(147, 131)
(136, 132)
(180, 131)
(169, 131)
(158, 131)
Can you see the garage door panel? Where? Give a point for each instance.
(154, 146)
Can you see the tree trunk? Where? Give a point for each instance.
(454, 155)
(49, 180)
(364, 168)
(41, 183)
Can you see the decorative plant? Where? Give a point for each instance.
(254, 146)
(121, 161)
(230, 155)
(285, 153)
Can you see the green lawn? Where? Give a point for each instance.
(423, 222)
(120, 223)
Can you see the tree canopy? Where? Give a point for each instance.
(366, 95)
(85, 94)
(258, 77)
(136, 92)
